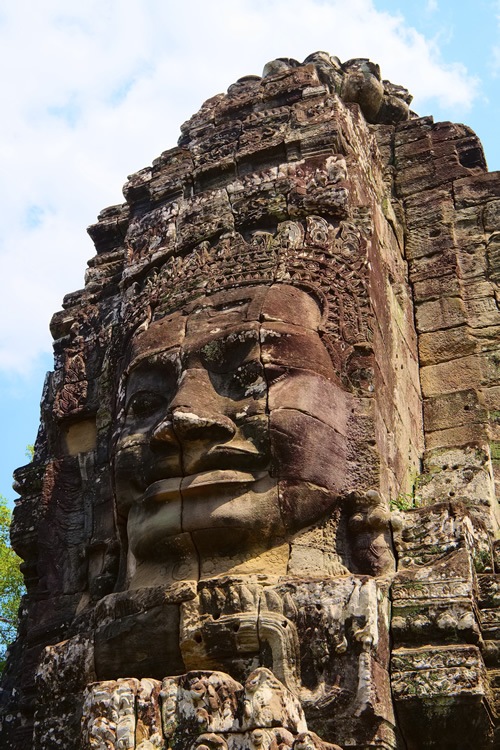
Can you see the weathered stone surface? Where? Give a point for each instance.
(262, 512)
(199, 709)
(443, 696)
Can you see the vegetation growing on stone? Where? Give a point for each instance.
(11, 584)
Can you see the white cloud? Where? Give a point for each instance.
(96, 90)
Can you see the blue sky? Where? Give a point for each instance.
(94, 91)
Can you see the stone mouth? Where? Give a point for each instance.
(164, 490)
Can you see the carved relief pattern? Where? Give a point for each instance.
(198, 710)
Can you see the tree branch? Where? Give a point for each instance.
(8, 622)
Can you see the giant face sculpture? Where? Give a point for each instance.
(233, 434)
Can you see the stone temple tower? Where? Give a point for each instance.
(262, 510)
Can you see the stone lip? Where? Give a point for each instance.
(168, 489)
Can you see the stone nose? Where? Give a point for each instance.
(195, 413)
(202, 425)
(183, 425)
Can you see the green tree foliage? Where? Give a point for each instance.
(11, 584)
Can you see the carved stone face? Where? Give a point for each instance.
(233, 437)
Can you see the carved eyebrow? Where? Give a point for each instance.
(158, 360)
(229, 306)
(154, 358)
(243, 335)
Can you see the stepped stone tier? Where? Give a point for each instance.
(262, 508)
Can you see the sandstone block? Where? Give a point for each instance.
(455, 678)
(478, 189)
(456, 375)
(446, 312)
(451, 344)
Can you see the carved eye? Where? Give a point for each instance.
(222, 355)
(247, 374)
(247, 380)
(275, 373)
(144, 404)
